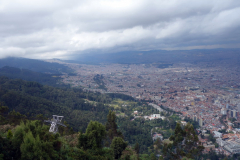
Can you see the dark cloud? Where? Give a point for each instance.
(51, 28)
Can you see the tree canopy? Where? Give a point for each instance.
(185, 143)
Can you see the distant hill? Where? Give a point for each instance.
(160, 56)
(28, 75)
(35, 65)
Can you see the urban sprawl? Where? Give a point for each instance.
(207, 92)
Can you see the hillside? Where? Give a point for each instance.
(32, 98)
(28, 75)
(78, 107)
(35, 65)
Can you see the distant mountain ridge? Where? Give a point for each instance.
(160, 56)
(35, 65)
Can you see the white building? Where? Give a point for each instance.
(232, 146)
(223, 111)
(156, 115)
(217, 134)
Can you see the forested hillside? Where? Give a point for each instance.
(28, 75)
(78, 107)
(32, 140)
(32, 98)
(35, 65)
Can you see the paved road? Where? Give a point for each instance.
(156, 107)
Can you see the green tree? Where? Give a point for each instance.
(27, 151)
(9, 134)
(118, 145)
(32, 140)
(1, 156)
(2, 110)
(211, 138)
(96, 133)
(152, 156)
(6, 149)
(93, 137)
(111, 126)
(136, 148)
(185, 143)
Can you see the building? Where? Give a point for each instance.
(195, 118)
(200, 122)
(227, 106)
(234, 113)
(157, 136)
(232, 146)
(217, 134)
(156, 115)
(220, 142)
(184, 123)
(223, 111)
(208, 146)
(238, 107)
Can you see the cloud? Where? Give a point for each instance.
(57, 29)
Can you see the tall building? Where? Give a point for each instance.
(195, 118)
(238, 107)
(233, 113)
(227, 106)
(223, 111)
(200, 122)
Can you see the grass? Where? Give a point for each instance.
(167, 141)
(115, 106)
(117, 103)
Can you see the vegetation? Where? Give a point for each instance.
(35, 65)
(121, 96)
(43, 78)
(31, 140)
(118, 145)
(32, 98)
(185, 144)
(79, 108)
(99, 80)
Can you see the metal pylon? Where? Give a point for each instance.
(54, 123)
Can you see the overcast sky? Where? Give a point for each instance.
(59, 28)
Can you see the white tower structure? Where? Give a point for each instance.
(54, 123)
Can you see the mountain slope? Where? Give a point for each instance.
(35, 65)
(28, 75)
(32, 98)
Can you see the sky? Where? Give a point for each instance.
(62, 29)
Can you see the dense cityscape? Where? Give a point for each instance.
(205, 92)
